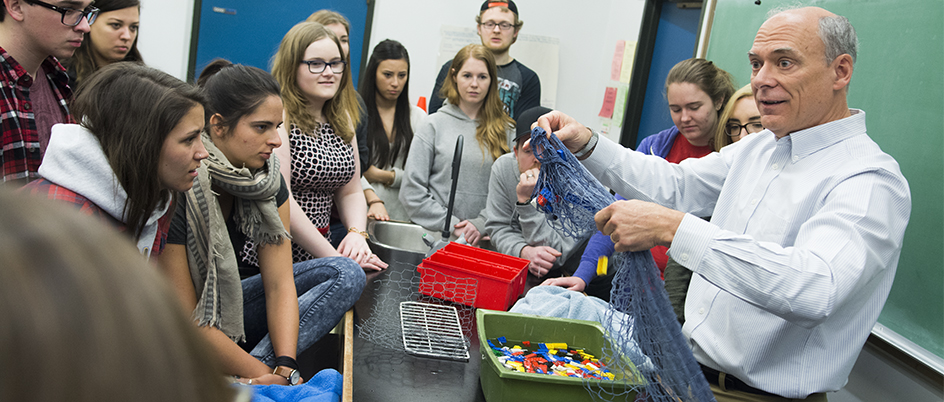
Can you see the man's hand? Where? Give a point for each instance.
(573, 134)
(635, 225)
(542, 259)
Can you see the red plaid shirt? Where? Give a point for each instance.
(19, 139)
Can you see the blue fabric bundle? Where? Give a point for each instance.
(325, 386)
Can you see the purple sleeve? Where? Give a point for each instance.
(599, 245)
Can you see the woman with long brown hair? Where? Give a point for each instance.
(112, 38)
(127, 157)
(474, 111)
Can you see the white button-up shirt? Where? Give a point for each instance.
(798, 259)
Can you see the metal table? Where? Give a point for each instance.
(382, 373)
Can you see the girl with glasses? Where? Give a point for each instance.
(739, 118)
(319, 159)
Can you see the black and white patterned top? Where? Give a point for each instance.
(321, 164)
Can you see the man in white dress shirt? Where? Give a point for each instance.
(807, 222)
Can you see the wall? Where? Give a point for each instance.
(587, 35)
(164, 38)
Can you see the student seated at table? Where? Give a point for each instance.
(137, 144)
(516, 227)
(256, 316)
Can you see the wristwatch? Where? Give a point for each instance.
(290, 374)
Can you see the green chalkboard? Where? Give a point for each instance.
(899, 81)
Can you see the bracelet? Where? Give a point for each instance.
(585, 152)
(377, 201)
(360, 232)
(286, 361)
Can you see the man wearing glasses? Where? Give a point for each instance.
(34, 92)
(519, 86)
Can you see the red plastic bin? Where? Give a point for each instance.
(473, 276)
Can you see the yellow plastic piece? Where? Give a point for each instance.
(601, 265)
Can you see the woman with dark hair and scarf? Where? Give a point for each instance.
(257, 313)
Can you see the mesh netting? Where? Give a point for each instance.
(639, 312)
(562, 191)
(404, 282)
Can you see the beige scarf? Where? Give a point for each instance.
(213, 266)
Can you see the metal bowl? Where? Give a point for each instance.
(394, 241)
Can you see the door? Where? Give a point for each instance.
(249, 32)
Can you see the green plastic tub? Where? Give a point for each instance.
(500, 384)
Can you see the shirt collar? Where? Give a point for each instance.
(808, 141)
(50, 66)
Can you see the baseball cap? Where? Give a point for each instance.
(528, 117)
(509, 4)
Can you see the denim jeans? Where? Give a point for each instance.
(327, 288)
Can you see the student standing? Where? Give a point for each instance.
(474, 112)
(391, 119)
(114, 38)
(519, 87)
(34, 35)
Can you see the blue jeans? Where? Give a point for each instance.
(327, 288)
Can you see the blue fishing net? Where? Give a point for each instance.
(640, 313)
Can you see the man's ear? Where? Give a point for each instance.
(14, 9)
(842, 69)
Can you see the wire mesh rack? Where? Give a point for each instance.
(433, 331)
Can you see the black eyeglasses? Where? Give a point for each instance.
(318, 66)
(734, 129)
(490, 25)
(70, 16)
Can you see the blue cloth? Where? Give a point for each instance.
(659, 144)
(325, 386)
(326, 287)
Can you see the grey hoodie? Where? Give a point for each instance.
(424, 192)
(74, 160)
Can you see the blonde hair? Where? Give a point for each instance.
(722, 139)
(341, 111)
(493, 122)
(328, 17)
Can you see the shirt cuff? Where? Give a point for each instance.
(605, 153)
(691, 241)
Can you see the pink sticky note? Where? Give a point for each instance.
(609, 100)
(617, 66)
